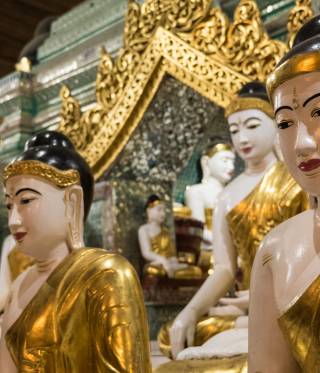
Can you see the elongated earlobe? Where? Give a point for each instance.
(74, 210)
(204, 166)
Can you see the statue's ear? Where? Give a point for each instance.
(204, 166)
(74, 210)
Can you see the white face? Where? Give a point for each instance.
(156, 214)
(297, 114)
(253, 134)
(221, 165)
(36, 214)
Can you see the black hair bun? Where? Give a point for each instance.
(151, 199)
(309, 30)
(254, 89)
(49, 138)
(55, 149)
(306, 40)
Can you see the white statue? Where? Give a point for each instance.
(284, 323)
(217, 166)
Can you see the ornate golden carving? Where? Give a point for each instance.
(299, 14)
(60, 178)
(184, 38)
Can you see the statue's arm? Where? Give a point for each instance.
(215, 286)
(195, 203)
(118, 321)
(268, 350)
(5, 277)
(219, 283)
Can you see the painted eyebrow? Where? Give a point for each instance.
(252, 118)
(282, 108)
(27, 189)
(310, 98)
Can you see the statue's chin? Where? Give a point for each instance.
(229, 343)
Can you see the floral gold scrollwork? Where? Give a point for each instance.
(244, 44)
(187, 39)
(299, 14)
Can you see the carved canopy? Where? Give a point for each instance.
(187, 39)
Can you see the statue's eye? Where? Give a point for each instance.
(253, 125)
(284, 124)
(233, 130)
(26, 201)
(315, 113)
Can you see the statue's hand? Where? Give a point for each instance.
(207, 236)
(183, 328)
(171, 265)
(229, 310)
(242, 301)
(168, 266)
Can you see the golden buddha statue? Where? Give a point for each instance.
(257, 200)
(157, 247)
(76, 309)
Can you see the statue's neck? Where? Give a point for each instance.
(212, 181)
(48, 260)
(261, 165)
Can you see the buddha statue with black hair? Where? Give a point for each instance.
(76, 309)
(284, 325)
(257, 200)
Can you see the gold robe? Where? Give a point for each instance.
(87, 317)
(162, 244)
(18, 262)
(275, 199)
(300, 325)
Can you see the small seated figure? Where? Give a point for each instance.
(284, 323)
(157, 247)
(76, 309)
(217, 166)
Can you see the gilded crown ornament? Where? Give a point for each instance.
(218, 148)
(61, 179)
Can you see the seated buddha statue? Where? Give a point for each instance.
(284, 324)
(76, 309)
(257, 200)
(217, 165)
(157, 247)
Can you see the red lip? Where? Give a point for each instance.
(309, 165)
(19, 236)
(246, 150)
